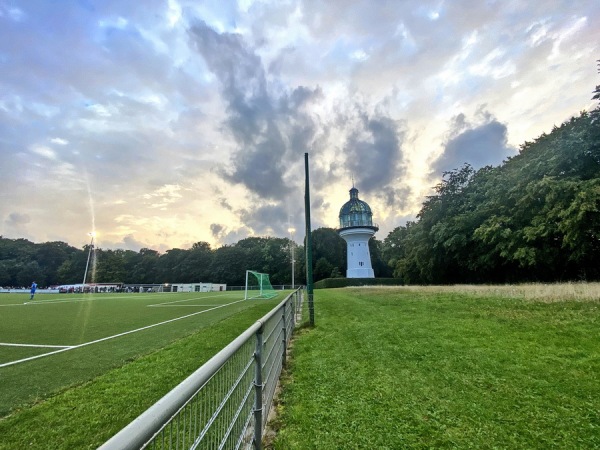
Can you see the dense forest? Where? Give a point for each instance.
(536, 217)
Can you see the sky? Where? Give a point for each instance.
(158, 124)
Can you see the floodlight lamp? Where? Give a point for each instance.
(291, 230)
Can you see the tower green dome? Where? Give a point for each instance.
(356, 213)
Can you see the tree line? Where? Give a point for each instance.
(57, 263)
(536, 217)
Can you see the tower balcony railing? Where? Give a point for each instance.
(358, 223)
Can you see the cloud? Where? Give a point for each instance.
(216, 229)
(227, 236)
(267, 219)
(129, 242)
(17, 220)
(16, 224)
(273, 125)
(479, 144)
(374, 153)
(184, 121)
(268, 125)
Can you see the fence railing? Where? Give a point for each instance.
(225, 403)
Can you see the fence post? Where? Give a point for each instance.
(258, 388)
(284, 343)
(294, 310)
(299, 299)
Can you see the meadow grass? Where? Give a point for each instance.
(543, 292)
(80, 398)
(445, 367)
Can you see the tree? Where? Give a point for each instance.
(171, 267)
(198, 261)
(596, 96)
(329, 246)
(145, 269)
(29, 272)
(111, 266)
(229, 265)
(381, 268)
(50, 256)
(323, 269)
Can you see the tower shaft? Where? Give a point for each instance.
(359, 257)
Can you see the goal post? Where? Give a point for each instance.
(258, 285)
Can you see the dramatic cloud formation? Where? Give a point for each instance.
(176, 121)
(477, 144)
(374, 154)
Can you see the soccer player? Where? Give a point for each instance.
(33, 288)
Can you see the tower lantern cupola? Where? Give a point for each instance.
(356, 213)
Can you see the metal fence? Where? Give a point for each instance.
(225, 403)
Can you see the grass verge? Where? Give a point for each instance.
(398, 368)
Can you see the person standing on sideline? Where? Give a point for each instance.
(33, 288)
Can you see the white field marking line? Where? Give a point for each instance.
(114, 336)
(8, 344)
(175, 306)
(71, 300)
(194, 298)
(129, 297)
(48, 302)
(100, 297)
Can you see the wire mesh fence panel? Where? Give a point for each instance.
(216, 407)
(274, 345)
(217, 415)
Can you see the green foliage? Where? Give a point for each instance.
(55, 263)
(22, 262)
(322, 269)
(335, 273)
(262, 254)
(596, 96)
(329, 251)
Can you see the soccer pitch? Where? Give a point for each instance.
(59, 340)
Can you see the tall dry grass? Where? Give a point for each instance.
(550, 292)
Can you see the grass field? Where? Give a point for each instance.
(388, 368)
(454, 367)
(74, 369)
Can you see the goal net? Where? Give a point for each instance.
(258, 286)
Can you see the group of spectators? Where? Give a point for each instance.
(31, 289)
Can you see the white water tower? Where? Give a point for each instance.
(356, 228)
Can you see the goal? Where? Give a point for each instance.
(258, 286)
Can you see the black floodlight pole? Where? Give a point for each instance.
(309, 269)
